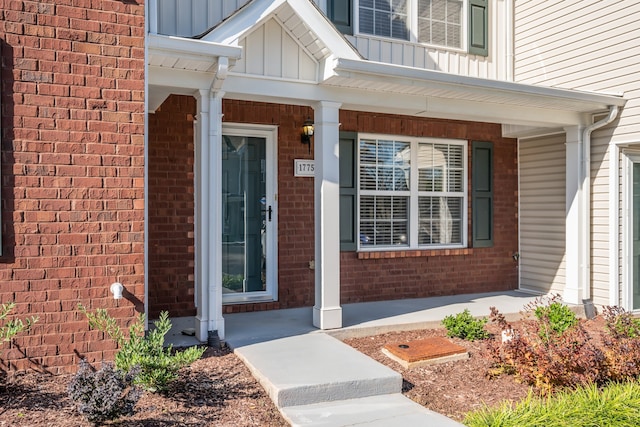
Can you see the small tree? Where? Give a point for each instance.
(159, 365)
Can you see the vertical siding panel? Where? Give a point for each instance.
(542, 214)
(167, 17)
(290, 56)
(273, 43)
(254, 52)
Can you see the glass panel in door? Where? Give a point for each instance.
(636, 236)
(244, 216)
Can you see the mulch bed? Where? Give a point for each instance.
(455, 388)
(217, 390)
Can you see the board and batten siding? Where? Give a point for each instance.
(188, 18)
(542, 214)
(270, 51)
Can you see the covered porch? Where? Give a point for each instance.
(334, 79)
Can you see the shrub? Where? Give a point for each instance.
(159, 365)
(548, 360)
(613, 405)
(621, 323)
(13, 327)
(464, 325)
(103, 395)
(554, 317)
(622, 344)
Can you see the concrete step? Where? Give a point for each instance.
(382, 411)
(314, 368)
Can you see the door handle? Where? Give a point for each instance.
(269, 211)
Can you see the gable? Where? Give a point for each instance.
(272, 51)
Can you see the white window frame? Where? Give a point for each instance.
(414, 193)
(412, 13)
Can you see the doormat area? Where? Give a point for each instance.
(428, 351)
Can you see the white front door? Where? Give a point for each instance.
(249, 214)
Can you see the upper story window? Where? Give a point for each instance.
(436, 22)
(454, 24)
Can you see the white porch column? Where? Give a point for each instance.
(208, 245)
(576, 236)
(327, 313)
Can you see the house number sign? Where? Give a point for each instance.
(303, 167)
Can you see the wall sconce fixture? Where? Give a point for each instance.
(307, 133)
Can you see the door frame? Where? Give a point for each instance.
(270, 135)
(629, 158)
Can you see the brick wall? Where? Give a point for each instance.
(171, 208)
(380, 278)
(72, 172)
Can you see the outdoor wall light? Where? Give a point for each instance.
(307, 133)
(116, 290)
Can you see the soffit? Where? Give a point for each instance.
(388, 78)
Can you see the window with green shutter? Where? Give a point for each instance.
(433, 22)
(482, 193)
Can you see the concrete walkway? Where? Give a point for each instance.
(316, 380)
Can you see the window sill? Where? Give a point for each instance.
(414, 253)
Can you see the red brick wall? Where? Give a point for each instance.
(72, 172)
(468, 271)
(171, 208)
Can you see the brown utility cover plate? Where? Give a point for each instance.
(425, 351)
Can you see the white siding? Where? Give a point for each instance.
(587, 45)
(271, 51)
(542, 213)
(187, 18)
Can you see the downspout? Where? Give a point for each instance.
(586, 202)
(509, 19)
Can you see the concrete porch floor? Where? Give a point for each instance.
(359, 319)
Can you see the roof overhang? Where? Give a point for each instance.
(181, 66)
(443, 90)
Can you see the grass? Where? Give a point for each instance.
(617, 404)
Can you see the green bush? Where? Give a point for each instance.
(103, 395)
(464, 325)
(13, 327)
(614, 405)
(555, 318)
(159, 365)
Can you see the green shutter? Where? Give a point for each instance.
(482, 193)
(348, 191)
(340, 12)
(479, 27)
